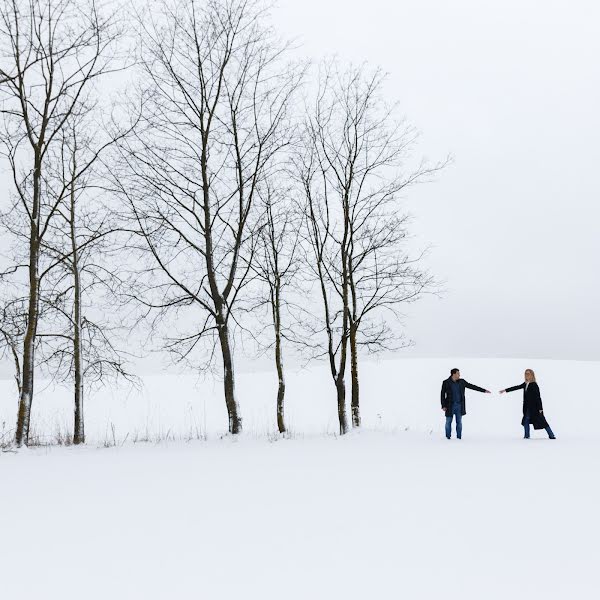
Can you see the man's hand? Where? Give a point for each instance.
(502, 392)
(541, 411)
(488, 392)
(443, 409)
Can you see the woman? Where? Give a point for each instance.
(533, 411)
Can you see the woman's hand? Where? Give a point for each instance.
(502, 391)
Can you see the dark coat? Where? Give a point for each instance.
(532, 404)
(447, 394)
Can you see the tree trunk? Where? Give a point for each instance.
(26, 395)
(235, 421)
(340, 382)
(340, 387)
(355, 406)
(275, 304)
(78, 428)
(280, 403)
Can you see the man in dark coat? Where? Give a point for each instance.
(453, 400)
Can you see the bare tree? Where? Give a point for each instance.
(352, 171)
(52, 50)
(84, 266)
(216, 97)
(277, 266)
(327, 239)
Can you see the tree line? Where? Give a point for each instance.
(227, 192)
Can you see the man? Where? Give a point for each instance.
(453, 400)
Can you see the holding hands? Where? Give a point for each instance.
(453, 402)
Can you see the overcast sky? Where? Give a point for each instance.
(512, 90)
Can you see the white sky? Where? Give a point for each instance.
(512, 90)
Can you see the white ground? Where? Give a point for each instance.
(395, 511)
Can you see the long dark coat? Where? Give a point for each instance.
(447, 395)
(532, 404)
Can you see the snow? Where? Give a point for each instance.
(395, 510)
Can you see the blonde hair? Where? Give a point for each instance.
(532, 374)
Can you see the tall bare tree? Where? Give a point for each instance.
(83, 249)
(277, 267)
(216, 98)
(353, 171)
(327, 238)
(52, 51)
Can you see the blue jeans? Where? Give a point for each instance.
(456, 412)
(528, 429)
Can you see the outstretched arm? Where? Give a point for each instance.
(513, 389)
(476, 388)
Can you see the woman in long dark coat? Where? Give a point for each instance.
(533, 411)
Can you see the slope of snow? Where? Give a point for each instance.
(392, 511)
(395, 395)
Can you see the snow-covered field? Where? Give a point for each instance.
(395, 511)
